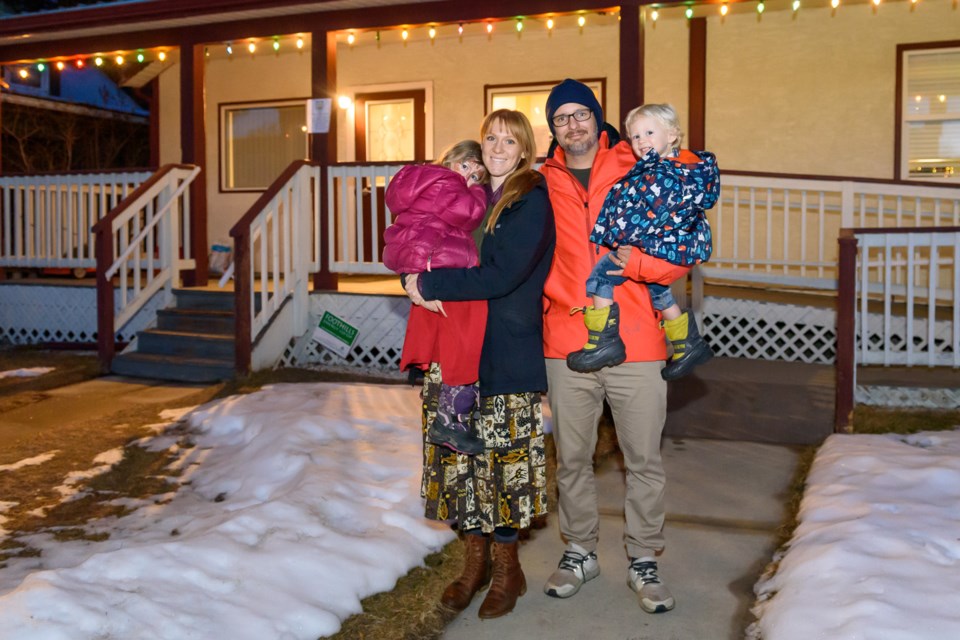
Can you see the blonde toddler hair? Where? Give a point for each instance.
(665, 113)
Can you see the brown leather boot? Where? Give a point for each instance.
(507, 583)
(475, 576)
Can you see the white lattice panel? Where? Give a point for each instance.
(37, 314)
(734, 328)
(767, 331)
(382, 323)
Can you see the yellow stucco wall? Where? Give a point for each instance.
(813, 92)
(169, 81)
(667, 54)
(460, 67)
(244, 78)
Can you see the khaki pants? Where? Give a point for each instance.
(637, 395)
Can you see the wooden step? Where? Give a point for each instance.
(166, 367)
(186, 343)
(197, 320)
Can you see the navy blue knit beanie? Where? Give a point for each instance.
(573, 91)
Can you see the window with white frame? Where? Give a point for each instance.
(930, 128)
(258, 141)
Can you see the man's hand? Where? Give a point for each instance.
(620, 258)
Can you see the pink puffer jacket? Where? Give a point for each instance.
(434, 214)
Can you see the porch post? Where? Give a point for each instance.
(631, 58)
(155, 123)
(696, 130)
(3, 85)
(323, 146)
(846, 332)
(106, 347)
(3, 200)
(193, 151)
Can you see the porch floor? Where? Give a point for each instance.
(364, 284)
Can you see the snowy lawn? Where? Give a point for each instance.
(877, 551)
(299, 501)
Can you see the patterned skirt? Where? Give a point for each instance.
(506, 485)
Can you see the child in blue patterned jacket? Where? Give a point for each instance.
(659, 208)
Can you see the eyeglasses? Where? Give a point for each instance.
(580, 115)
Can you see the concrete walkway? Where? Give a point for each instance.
(725, 501)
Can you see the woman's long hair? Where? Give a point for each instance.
(523, 178)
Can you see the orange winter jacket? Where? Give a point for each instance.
(575, 212)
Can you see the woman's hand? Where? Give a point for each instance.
(620, 258)
(413, 292)
(434, 305)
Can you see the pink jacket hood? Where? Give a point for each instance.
(434, 213)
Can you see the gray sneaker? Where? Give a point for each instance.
(576, 567)
(642, 577)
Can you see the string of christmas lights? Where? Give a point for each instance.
(253, 45)
(692, 9)
(118, 58)
(276, 43)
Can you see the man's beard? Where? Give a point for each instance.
(579, 147)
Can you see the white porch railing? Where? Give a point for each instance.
(918, 298)
(783, 231)
(143, 243)
(766, 229)
(276, 248)
(355, 198)
(47, 220)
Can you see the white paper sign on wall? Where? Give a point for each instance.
(318, 115)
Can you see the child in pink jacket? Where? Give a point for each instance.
(436, 207)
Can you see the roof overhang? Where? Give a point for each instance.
(71, 107)
(98, 20)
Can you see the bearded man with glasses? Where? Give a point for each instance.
(588, 161)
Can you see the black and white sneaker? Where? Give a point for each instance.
(643, 579)
(576, 567)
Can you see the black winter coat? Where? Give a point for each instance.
(514, 261)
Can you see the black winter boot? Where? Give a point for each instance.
(604, 347)
(689, 349)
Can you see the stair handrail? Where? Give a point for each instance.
(158, 199)
(294, 192)
(158, 216)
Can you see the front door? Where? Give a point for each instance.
(390, 126)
